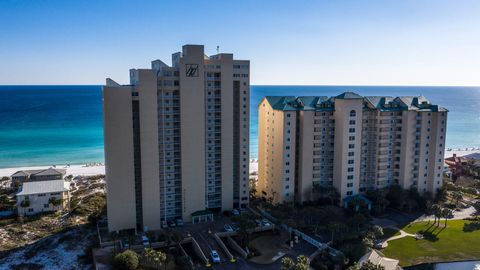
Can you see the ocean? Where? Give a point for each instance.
(46, 125)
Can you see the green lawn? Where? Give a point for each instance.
(389, 232)
(439, 244)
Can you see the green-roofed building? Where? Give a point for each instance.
(350, 143)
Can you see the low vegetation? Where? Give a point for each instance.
(451, 243)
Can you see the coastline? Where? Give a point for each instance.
(84, 170)
(99, 168)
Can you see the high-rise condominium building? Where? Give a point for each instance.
(176, 140)
(348, 142)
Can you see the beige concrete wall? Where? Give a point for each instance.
(117, 108)
(192, 117)
(285, 128)
(305, 158)
(407, 150)
(147, 96)
(244, 132)
(342, 118)
(226, 62)
(262, 148)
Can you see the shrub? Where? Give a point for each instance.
(127, 260)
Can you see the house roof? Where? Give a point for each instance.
(377, 259)
(49, 186)
(49, 171)
(381, 103)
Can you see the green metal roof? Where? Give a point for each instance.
(382, 103)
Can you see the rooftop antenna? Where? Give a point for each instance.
(218, 49)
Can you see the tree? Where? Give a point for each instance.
(252, 188)
(436, 211)
(127, 260)
(457, 196)
(447, 214)
(302, 263)
(335, 227)
(372, 235)
(155, 258)
(396, 196)
(368, 265)
(287, 263)
(357, 221)
(476, 205)
(245, 223)
(54, 202)
(25, 204)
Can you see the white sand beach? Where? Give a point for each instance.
(84, 170)
(74, 170)
(461, 151)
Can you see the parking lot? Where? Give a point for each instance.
(199, 240)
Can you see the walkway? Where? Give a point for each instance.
(462, 214)
(395, 237)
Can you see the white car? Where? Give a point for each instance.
(228, 228)
(215, 257)
(145, 241)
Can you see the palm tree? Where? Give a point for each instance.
(55, 202)
(447, 214)
(335, 227)
(437, 213)
(457, 196)
(25, 204)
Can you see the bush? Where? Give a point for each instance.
(127, 260)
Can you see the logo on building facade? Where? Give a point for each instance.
(191, 70)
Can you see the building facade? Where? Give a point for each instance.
(43, 196)
(176, 139)
(348, 142)
(37, 175)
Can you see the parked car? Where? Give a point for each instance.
(266, 222)
(179, 222)
(145, 241)
(215, 257)
(228, 228)
(125, 244)
(235, 212)
(258, 222)
(172, 223)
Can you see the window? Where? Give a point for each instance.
(353, 113)
(350, 185)
(351, 130)
(350, 170)
(352, 122)
(351, 138)
(350, 161)
(351, 146)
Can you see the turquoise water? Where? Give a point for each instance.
(45, 125)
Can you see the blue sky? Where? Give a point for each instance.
(384, 42)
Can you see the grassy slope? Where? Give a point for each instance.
(440, 244)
